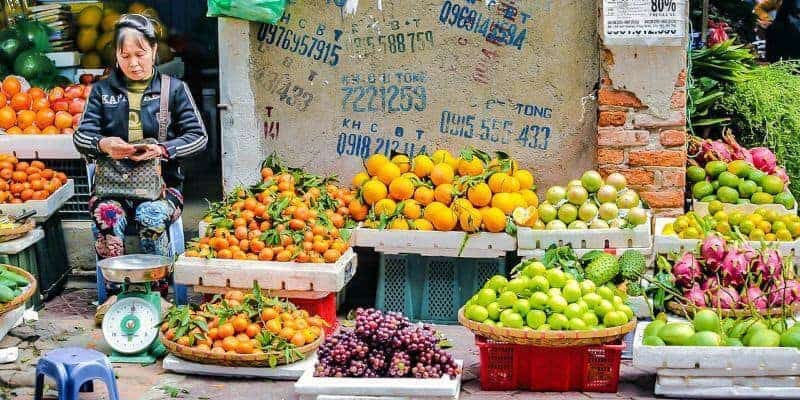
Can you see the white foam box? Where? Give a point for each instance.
(722, 387)
(538, 239)
(288, 372)
(664, 244)
(435, 243)
(701, 208)
(65, 58)
(58, 147)
(270, 275)
(44, 208)
(310, 387)
(17, 246)
(11, 319)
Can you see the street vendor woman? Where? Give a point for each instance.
(123, 110)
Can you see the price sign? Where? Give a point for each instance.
(644, 22)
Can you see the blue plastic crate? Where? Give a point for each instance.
(431, 289)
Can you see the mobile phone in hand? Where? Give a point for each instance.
(140, 148)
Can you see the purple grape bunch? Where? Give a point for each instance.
(384, 345)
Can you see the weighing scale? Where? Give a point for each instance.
(131, 325)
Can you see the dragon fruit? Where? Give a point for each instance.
(725, 297)
(781, 173)
(750, 254)
(738, 151)
(713, 251)
(715, 150)
(734, 268)
(711, 283)
(753, 295)
(686, 270)
(787, 292)
(769, 266)
(764, 159)
(696, 295)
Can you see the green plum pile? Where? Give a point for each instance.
(709, 330)
(738, 182)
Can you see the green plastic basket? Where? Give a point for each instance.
(431, 289)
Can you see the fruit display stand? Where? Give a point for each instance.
(310, 387)
(57, 147)
(428, 275)
(720, 372)
(701, 208)
(665, 244)
(533, 243)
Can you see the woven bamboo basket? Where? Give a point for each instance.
(681, 309)
(17, 232)
(235, 360)
(22, 298)
(546, 338)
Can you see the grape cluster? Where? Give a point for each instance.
(384, 345)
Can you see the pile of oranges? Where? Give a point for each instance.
(472, 192)
(36, 111)
(289, 216)
(21, 181)
(224, 326)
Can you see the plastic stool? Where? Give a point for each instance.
(74, 369)
(176, 244)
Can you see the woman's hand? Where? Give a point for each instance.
(116, 148)
(150, 152)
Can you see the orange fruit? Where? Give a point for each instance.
(240, 324)
(286, 333)
(62, 120)
(20, 101)
(229, 343)
(213, 333)
(244, 348)
(56, 93)
(11, 86)
(442, 173)
(25, 118)
(36, 93)
(274, 325)
(242, 337)
(50, 130)
(183, 340)
(3, 99)
(424, 195)
(218, 350)
(8, 117)
(45, 117)
(479, 195)
(252, 330)
(226, 330)
(331, 255)
(268, 314)
(14, 130)
(298, 339)
(401, 188)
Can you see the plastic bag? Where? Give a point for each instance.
(266, 11)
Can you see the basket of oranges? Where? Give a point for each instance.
(242, 330)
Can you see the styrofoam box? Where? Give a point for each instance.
(721, 387)
(65, 58)
(310, 387)
(701, 208)
(241, 274)
(44, 208)
(11, 319)
(17, 246)
(435, 243)
(663, 244)
(59, 147)
(638, 237)
(288, 372)
(736, 361)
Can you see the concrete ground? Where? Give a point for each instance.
(68, 321)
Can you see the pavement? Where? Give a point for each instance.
(68, 320)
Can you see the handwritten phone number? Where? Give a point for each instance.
(494, 130)
(471, 20)
(284, 38)
(389, 98)
(394, 43)
(292, 95)
(355, 144)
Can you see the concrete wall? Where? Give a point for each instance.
(447, 85)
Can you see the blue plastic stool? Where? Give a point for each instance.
(74, 369)
(176, 244)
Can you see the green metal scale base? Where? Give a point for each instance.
(130, 326)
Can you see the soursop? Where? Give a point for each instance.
(632, 265)
(602, 269)
(635, 289)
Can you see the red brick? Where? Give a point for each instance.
(672, 138)
(670, 179)
(681, 81)
(657, 158)
(612, 118)
(635, 177)
(610, 156)
(678, 100)
(663, 198)
(622, 138)
(619, 98)
(676, 118)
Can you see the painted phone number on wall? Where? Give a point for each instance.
(388, 98)
(394, 43)
(359, 145)
(308, 46)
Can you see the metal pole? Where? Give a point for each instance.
(704, 25)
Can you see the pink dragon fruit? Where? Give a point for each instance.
(787, 292)
(696, 295)
(711, 283)
(713, 251)
(738, 151)
(724, 297)
(753, 295)
(764, 159)
(734, 268)
(769, 266)
(716, 150)
(781, 173)
(686, 270)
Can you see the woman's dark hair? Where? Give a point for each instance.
(135, 23)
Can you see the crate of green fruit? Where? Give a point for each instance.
(738, 185)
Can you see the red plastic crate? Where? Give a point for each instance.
(325, 307)
(507, 366)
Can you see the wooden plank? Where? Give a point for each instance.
(241, 274)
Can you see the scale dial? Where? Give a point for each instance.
(131, 325)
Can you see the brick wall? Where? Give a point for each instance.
(649, 151)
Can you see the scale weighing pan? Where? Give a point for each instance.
(135, 268)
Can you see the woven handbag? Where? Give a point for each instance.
(130, 179)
